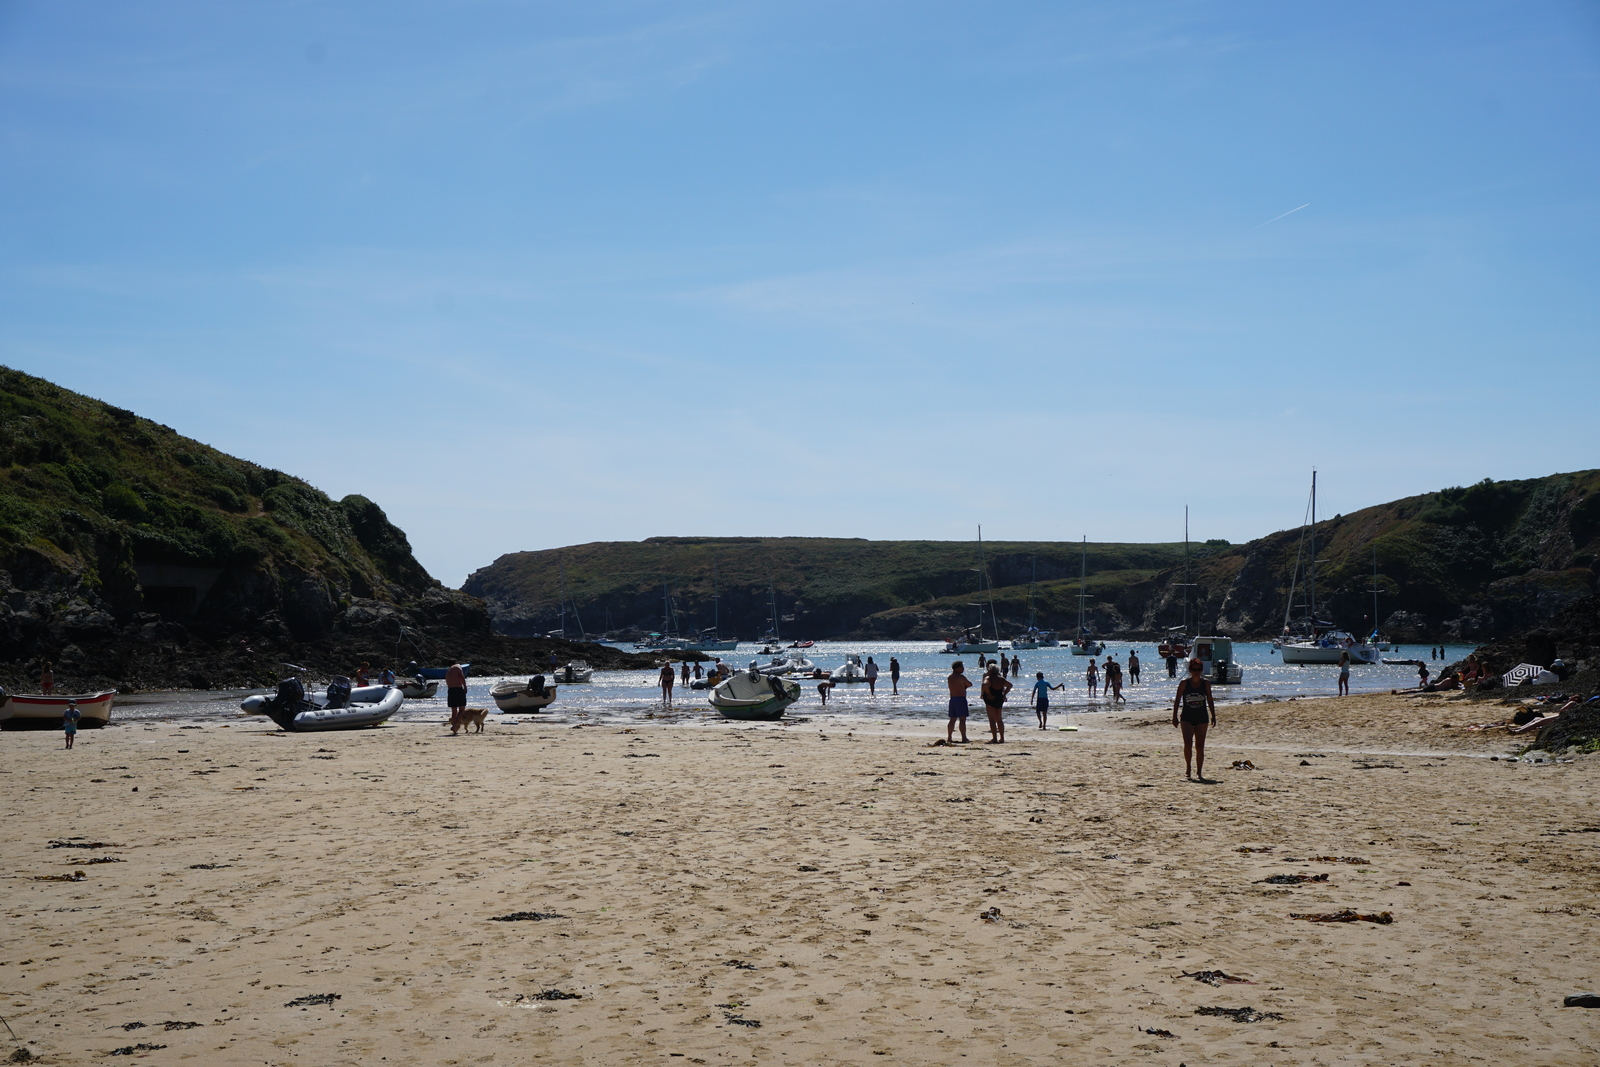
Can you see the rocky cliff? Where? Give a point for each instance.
(131, 555)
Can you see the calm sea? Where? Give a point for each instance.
(633, 696)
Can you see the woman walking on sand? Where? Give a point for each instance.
(995, 688)
(1189, 708)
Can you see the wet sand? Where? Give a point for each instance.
(827, 885)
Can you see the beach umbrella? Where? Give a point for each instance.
(1522, 672)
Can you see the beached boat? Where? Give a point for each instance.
(575, 671)
(1216, 657)
(351, 709)
(412, 689)
(514, 696)
(850, 670)
(18, 712)
(754, 697)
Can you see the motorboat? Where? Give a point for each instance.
(514, 696)
(970, 642)
(1328, 648)
(802, 644)
(575, 671)
(850, 671)
(1086, 646)
(342, 708)
(1176, 646)
(18, 712)
(1217, 660)
(792, 662)
(1033, 638)
(417, 688)
(754, 697)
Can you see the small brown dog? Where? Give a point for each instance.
(474, 717)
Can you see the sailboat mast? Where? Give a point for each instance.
(1311, 564)
(1186, 583)
(983, 580)
(716, 604)
(1083, 582)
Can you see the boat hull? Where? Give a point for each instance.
(44, 712)
(413, 691)
(711, 646)
(511, 697)
(370, 705)
(754, 698)
(1295, 654)
(1093, 649)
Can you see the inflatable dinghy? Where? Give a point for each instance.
(344, 708)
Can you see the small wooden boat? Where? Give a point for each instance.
(753, 697)
(412, 689)
(514, 696)
(575, 671)
(363, 706)
(19, 712)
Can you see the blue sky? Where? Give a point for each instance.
(533, 274)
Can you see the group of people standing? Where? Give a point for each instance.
(1194, 708)
(1112, 672)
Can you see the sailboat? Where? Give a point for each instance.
(771, 639)
(973, 639)
(668, 639)
(1321, 643)
(562, 633)
(711, 640)
(1176, 646)
(1081, 644)
(1033, 637)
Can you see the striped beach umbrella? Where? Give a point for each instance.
(1522, 672)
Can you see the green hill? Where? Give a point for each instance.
(1465, 563)
(131, 554)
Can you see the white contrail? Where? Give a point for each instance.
(1269, 222)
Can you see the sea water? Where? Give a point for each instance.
(635, 696)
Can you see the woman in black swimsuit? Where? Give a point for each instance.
(1189, 708)
(995, 688)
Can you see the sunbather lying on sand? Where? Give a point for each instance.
(1447, 680)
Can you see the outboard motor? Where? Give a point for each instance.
(536, 685)
(339, 692)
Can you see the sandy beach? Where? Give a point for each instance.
(743, 894)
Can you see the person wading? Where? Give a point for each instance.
(1189, 712)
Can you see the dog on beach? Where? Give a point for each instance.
(474, 717)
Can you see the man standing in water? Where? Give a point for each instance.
(1093, 677)
(1189, 707)
(1133, 667)
(959, 683)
